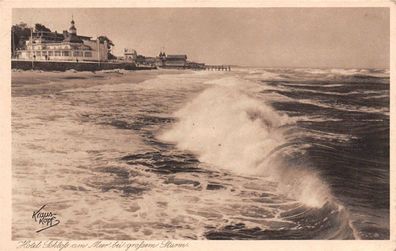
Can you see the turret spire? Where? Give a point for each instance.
(72, 29)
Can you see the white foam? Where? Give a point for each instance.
(264, 75)
(230, 129)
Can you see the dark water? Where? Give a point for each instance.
(247, 154)
(354, 161)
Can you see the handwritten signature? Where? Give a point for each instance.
(46, 219)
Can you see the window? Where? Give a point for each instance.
(57, 53)
(77, 54)
(88, 54)
(38, 53)
(66, 53)
(43, 53)
(50, 53)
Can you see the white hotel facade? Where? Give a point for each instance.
(51, 46)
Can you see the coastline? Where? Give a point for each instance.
(27, 83)
(45, 65)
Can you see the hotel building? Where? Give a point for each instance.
(68, 46)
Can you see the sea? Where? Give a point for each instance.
(247, 154)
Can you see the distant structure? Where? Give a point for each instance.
(130, 55)
(67, 46)
(171, 61)
(168, 61)
(162, 60)
(176, 62)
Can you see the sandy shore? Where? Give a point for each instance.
(25, 83)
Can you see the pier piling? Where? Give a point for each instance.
(218, 67)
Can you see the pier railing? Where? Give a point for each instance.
(218, 67)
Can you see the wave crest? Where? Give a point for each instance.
(226, 127)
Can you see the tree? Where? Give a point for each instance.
(20, 33)
(40, 27)
(102, 39)
(110, 43)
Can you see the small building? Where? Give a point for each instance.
(140, 60)
(64, 47)
(160, 59)
(171, 61)
(151, 61)
(176, 61)
(130, 55)
(145, 61)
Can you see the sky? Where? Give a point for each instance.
(266, 37)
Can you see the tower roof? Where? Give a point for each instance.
(72, 28)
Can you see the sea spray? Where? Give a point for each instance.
(227, 127)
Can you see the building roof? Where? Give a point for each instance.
(72, 38)
(84, 37)
(176, 57)
(48, 36)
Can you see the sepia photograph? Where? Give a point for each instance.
(200, 123)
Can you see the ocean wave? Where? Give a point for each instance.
(331, 73)
(226, 127)
(306, 74)
(347, 108)
(265, 76)
(325, 92)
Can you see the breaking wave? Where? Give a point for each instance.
(226, 127)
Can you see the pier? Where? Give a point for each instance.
(218, 67)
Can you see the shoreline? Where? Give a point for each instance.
(27, 83)
(75, 65)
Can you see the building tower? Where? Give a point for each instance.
(72, 29)
(71, 36)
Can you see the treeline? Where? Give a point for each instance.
(20, 33)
